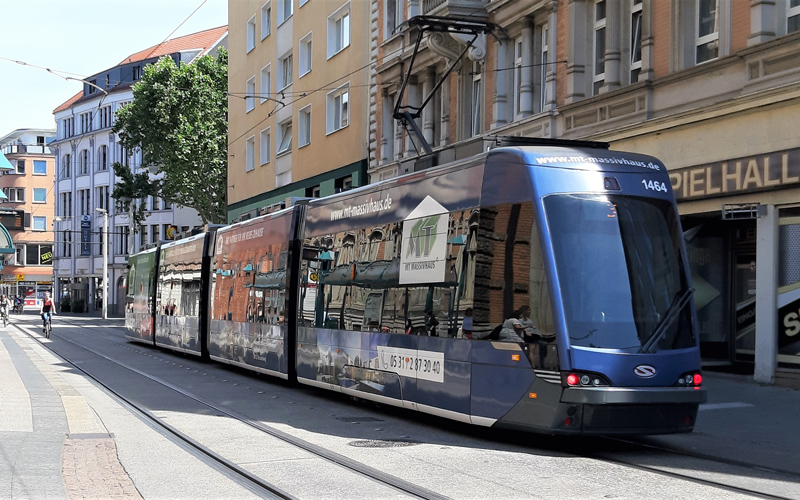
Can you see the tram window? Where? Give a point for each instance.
(510, 276)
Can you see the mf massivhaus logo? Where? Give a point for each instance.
(424, 243)
(423, 236)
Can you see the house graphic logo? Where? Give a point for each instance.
(423, 237)
(424, 252)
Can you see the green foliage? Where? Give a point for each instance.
(131, 187)
(179, 120)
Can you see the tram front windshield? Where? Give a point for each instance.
(620, 271)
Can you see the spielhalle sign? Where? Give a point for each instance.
(741, 175)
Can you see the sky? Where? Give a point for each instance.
(83, 37)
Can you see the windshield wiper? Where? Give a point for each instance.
(669, 318)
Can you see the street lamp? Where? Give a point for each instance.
(105, 261)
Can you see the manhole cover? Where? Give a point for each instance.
(382, 443)
(359, 419)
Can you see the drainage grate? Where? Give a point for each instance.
(359, 419)
(383, 443)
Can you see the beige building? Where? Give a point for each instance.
(27, 213)
(299, 75)
(711, 87)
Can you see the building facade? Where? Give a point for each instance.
(85, 150)
(299, 76)
(27, 213)
(710, 87)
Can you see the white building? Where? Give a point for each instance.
(85, 149)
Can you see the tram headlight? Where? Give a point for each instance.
(688, 379)
(571, 379)
(691, 379)
(585, 380)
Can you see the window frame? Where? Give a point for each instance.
(340, 18)
(282, 15)
(251, 34)
(40, 218)
(267, 132)
(266, 83)
(284, 130)
(266, 20)
(331, 124)
(304, 126)
(39, 190)
(704, 40)
(305, 52)
(249, 154)
(598, 33)
(250, 93)
(637, 18)
(286, 70)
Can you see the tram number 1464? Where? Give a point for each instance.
(652, 185)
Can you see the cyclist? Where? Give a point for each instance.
(47, 310)
(4, 305)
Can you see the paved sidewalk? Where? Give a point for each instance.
(62, 437)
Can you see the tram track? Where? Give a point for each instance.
(254, 483)
(602, 454)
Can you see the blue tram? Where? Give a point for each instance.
(544, 288)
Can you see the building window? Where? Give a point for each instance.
(102, 158)
(39, 223)
(105, 116)
(156, 203)
(251, 33)
(285, 9)
(266, 20)
(339, 30)
(21, 167)
(517, 76)
(264, 146)
(305, 55)
(707, 31)
(543, 68)
(66, 204)
(122, 241)
(793, 16)
(167, 205)
(338, 112)
(599, 64)
(285, 136)
(250, 95)
(40, 195)
(155, 234)
(137, 73)
(66, 167)
(286, 71)
(83, 162)
(67, 243)
(101, 195)
(39, 167)
(476, 119)
(266, 86)
(86, 122)
(636, 40)
(394, 16)
(84, 201)
(304, 123)
(142, 237)
(249, 153)
(15, 195)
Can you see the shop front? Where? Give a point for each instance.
(741, 222)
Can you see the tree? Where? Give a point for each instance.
(179, 120)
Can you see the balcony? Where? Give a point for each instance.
(25, 149)
(475, 9)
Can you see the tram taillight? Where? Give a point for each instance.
(698, 379)
(572, 379)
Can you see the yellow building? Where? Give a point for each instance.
(27, 212)
(299, 76)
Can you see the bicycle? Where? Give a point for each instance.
(48, 326)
